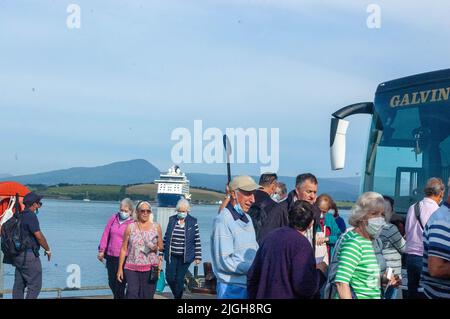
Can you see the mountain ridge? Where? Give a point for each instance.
(140, 171)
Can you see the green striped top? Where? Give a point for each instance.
(358, 267)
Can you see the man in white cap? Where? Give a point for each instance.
(233, 240)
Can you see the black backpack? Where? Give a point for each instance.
(14, 241)
(259, 215)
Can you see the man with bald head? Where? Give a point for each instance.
(416, 219)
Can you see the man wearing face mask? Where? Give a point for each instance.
(285, 267)
(416, 219)
(233, 240)
(265, 212)
(28, 264)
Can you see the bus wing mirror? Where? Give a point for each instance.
(338, 133)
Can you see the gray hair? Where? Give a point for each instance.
(388, 211)
(183, 202)
(282, 187)
(368, 202)
(128, 203)
(434, 187)
(138, 206)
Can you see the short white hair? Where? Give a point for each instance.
(183, 202)
(367, 203)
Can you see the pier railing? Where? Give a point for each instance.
(59, 291)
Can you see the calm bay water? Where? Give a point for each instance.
(73, 230)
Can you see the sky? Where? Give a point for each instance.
(117, 87)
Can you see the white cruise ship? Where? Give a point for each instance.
(172, 186)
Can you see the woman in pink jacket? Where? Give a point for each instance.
(111, 243)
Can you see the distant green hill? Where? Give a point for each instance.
(140, 171)
(118, 173)
(117, 192)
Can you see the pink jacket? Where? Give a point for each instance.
(112, 238)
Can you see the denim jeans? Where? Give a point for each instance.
(175, 272)
(227, 291)
(414, 267)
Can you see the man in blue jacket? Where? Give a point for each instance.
(233, 240)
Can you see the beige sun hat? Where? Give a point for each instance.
(243, 182)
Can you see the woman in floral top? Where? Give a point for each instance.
(142, 241)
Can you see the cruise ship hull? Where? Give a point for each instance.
(168, 200)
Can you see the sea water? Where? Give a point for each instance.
(73, 230)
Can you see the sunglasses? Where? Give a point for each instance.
(145, 211)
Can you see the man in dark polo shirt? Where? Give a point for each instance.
(28, 264)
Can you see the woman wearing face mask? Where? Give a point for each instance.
(284, 266)
(327, 228)
(182, 246)
(358, 272)
(142, 241)
(110, 245)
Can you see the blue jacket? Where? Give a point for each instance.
(233, 247)
(192, 247)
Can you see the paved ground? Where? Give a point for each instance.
(165, 295)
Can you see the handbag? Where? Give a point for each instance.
(161, 284)
(154, 274)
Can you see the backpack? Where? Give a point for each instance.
(330, 289)
(259, 215)
(13, 239)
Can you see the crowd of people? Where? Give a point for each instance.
(265, 243)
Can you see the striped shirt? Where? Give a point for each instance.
(436, 240)
(393, 246)
(178, 243)
(358, 267)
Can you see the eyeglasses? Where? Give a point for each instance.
(148, 211)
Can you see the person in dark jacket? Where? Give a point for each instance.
(266, 213)
(28, 273)
(182, 246)
(306, 186)
(285, 266)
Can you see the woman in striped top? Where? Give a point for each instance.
(358, 273)
(182, 246)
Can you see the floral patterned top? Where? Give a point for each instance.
(141, 245)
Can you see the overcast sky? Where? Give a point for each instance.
(116, 88)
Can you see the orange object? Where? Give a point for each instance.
(13, 188)
(8, 189)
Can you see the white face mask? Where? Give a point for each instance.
(374, 226)
(276, 197)
(124, 215)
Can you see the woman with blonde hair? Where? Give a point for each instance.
(142, 241)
